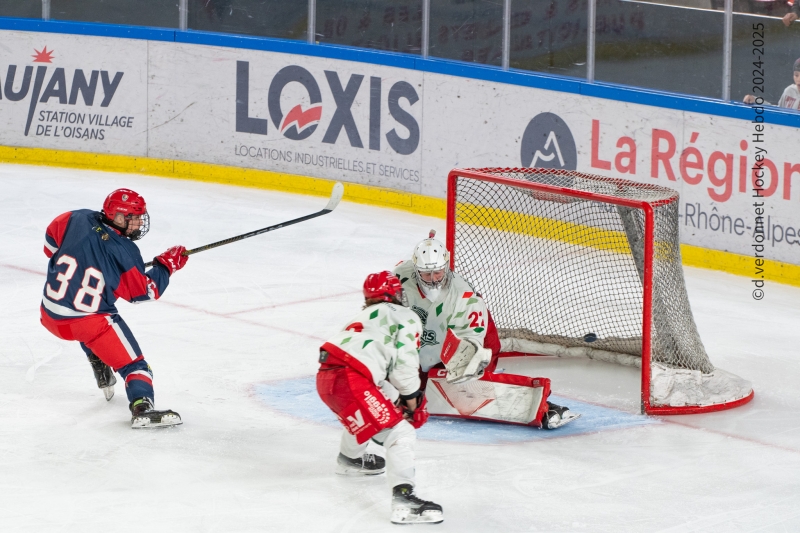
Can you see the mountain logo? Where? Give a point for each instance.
(548, 143)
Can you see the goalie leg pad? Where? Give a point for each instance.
(502, 397)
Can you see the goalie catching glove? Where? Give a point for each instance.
(415, 408)
(464, 359)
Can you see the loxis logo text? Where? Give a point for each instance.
(548, 143)
(299, 123)
(45, 85)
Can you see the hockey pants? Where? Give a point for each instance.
(110, 339)
(366, 413)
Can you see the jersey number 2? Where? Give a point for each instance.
(476, 316)
(96, 291)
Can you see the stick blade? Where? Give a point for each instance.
(336, 196)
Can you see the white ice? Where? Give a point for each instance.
(255, 312)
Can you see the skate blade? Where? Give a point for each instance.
(353, 471)
(564, 421)
(108, 392)
(405, 516)
(167, 420)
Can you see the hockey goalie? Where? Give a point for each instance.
(460, 347)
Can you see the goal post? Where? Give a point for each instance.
(573, 264)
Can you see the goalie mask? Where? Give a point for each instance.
(134, 221)
(432, 266)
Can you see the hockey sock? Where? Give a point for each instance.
(138, 380)
(399, 443)
(349, 447)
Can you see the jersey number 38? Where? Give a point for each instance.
(92, 285)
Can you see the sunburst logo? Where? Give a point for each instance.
(44, 56)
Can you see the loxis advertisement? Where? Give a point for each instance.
(403, 129)
(73, 93)
(318, 117)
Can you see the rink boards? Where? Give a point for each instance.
(394, 126)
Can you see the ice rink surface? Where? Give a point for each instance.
(233, 345)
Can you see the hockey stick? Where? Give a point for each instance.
(336, 196)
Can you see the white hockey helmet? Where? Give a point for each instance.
(432, 265)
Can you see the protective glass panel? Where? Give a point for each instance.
(163, 13)
(669, 48)
(21, 8)
(467, 30)
(394, 25)
(549, 36)
(770, 8)
(773, 8)
(764, 53)
(284, 19)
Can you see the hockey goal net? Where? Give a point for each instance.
(572, 264)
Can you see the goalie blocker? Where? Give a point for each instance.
(464, 389)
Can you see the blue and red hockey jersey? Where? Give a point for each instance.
(91, 265)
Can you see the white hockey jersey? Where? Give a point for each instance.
(385, 338)
(790, 98)
(458, 307)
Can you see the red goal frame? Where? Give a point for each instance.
(647, 284)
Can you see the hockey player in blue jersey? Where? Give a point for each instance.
(93, 262)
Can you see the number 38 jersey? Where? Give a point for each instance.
(91, 265)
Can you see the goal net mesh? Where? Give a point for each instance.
(568, 271)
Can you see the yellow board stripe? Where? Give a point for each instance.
(539, 227)
(278, 181)
(244, 177)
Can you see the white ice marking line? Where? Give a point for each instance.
(30, 375)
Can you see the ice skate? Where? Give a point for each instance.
(103, 375)
(368, 464)
(144, 416)
(557, 416)
(408, 509)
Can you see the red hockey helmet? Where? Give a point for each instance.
(130, 204)
(124, 201)
(383, 286)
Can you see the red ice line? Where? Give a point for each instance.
(227, 315)
(292, 303)
(23, 269)
(253, 323)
